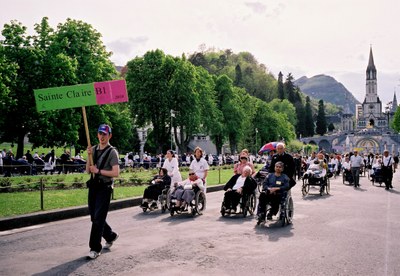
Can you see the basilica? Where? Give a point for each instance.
(369, 129)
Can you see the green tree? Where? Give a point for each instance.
(147, 80)
(396, 120)
(285, 107)
(308, 119)
(238, 76)
(321, 119)
(183, 95)
(289, 88)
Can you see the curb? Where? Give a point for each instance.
(72, 212)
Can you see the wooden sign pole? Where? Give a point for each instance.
(90, 156)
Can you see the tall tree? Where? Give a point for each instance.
(308, 119)
(289, 88)
(281, 92)
(238, 75)
(321, 119)
(147, 80)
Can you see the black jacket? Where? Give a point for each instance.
(248, 187)
(287, 160)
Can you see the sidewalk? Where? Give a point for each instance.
(72, 212)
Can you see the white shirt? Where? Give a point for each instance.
(356, 161)
(199, 167)
(173, 169)
(387, 161)
(239, 183)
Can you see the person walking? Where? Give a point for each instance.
(104, 169)
(284, 157)
(356, 161)
(387, 169)
(172, 165)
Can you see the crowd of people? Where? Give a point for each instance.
(31, 164)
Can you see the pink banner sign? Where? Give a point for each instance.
(108, 92)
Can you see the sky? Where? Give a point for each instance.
(302, 37)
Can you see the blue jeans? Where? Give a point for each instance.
(99, 202)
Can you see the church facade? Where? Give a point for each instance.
(369, 129)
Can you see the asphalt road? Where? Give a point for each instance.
(350, 232)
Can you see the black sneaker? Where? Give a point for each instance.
(154, 205)
(144, 205)
(269, 216)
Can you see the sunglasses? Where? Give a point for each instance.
(191, 173)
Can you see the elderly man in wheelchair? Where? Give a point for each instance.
(275, 193)
(240, 189)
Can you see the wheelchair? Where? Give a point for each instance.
(314, 180)
(196, 206)
(247, 204)
(286, 209)
(162, 201)
(347, 177)
(376, 176)
(331, 170)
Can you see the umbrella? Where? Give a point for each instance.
(268, 147)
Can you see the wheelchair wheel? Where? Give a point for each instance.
(305, 188)
(327, 186)
(289, 210)
(200, 202)
(251, 204)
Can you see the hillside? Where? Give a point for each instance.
(328, 89)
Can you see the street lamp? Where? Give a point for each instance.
(256, 140)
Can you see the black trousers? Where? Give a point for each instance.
(268, 198)
(387, 175)
(153, 191)
(231, 199)
(99, 202)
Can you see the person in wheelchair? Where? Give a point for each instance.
(158, 184)
(237, 187)
(315, 170)
(274, 188)
(347, 170)
(185, 191)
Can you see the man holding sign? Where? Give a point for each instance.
(104, 164)
(105, 167)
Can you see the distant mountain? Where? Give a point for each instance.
(328, 89)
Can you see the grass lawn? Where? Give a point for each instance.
(18, 203)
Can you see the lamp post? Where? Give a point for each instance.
(256, 141)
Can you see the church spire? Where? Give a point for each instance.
(394, 103)
(371, 69)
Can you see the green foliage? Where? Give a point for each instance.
(294, 146)
(243, 68)
(284, 107)
(396, 120)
